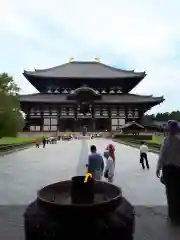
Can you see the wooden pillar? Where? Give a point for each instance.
(27, 123)
(42, 119)
(109, 117)
(133, 114)
(58, 118)
(141, 113)
(126, 113)
(28, 120)
(93, 124)
(76, 129)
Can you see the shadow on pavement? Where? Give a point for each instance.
(151, 223)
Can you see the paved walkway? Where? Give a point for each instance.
(24, 172)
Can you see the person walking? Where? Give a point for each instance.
(95, 164)
(44, 142)
(111, 149)
(109, 169)
(143, 155)
(169, 164)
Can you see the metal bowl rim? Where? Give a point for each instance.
(105, 202)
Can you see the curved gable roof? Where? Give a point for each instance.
(79, 69)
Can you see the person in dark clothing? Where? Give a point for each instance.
(169, 163)
(95, 163)
(37, 143)
(143, 155)
(44, 142)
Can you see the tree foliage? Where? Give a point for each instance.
(11, 119)
(8, 85)
(174, 115)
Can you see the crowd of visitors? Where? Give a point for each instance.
(168, 167)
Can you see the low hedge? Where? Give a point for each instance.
(16, 145)
(139, 137)
(8, 147)
(150, 144)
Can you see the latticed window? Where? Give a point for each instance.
(47, 121)
(114, 111)
(64, 111)
(71, 111)
(46, 111)
(97, 111)
(130, 113)
(122, 112)
(136, 112)
(53, 121)
(53, 111)
(105, 112)
(33, 111)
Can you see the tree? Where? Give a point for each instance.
(174, 115)
(11, 119)
(8, 85)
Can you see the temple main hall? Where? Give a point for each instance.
(77, 94)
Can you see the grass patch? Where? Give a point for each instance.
(156, 139)
(13, 143)
(17, 140)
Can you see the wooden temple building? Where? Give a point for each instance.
(78, 94)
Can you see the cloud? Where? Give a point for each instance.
(141, 35)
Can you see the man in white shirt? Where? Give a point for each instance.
(169, 163)
(143, 155)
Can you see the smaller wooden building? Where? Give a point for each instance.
(132, 128)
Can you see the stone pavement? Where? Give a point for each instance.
(23, 173)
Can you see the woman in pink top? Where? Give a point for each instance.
(111, 150)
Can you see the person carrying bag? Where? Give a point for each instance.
(109, 169)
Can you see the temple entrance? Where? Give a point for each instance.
(92, 125)
(102, 124)
(80, 123)
(66, 125)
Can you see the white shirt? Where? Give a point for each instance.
(170, 152)
(110, 167)
(144, 148)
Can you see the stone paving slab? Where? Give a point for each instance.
(23, 173)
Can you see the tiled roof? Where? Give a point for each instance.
(84, 70)
(121, 98)
(131, 124)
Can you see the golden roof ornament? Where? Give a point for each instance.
(97, 59)
(70, 59)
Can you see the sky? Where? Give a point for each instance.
(132, 34)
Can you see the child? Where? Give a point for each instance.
(109, 170)
(37, 143)
(143, 155)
